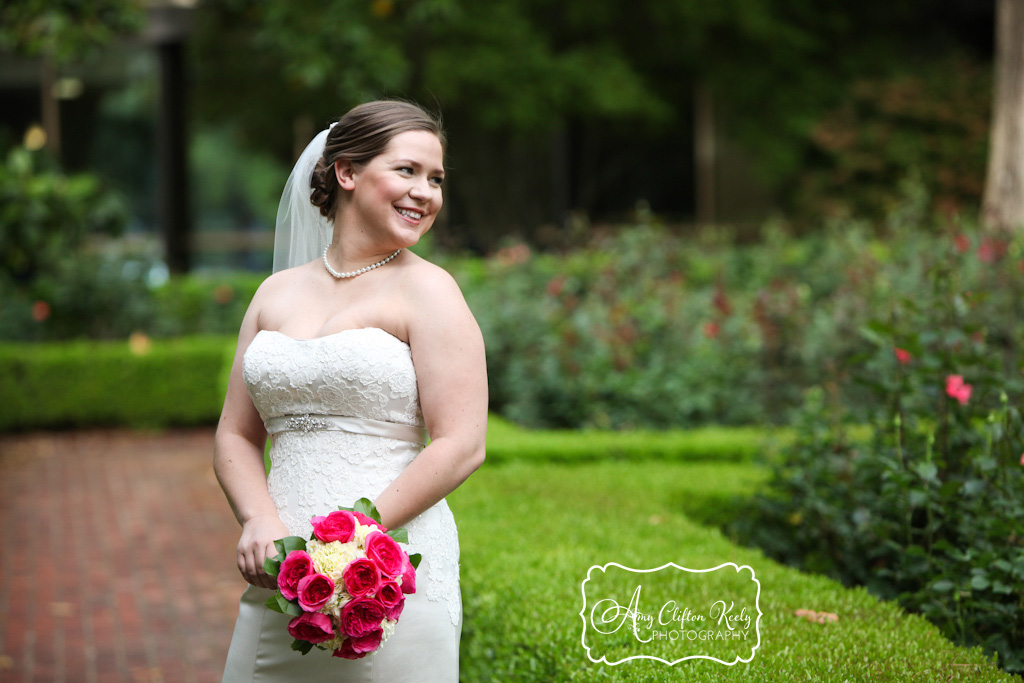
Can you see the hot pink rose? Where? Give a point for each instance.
(396, 611)
(955, 388)
(383, 550)
(368, 643)
(337, 526)
(312, 627)
(361, 577)
(357, 648)
(368, 521)
(314, 591)
(346, 651)
(408, 576)
(296, 566)
(389, 594)
(361, 616)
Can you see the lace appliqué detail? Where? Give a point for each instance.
(363, 373)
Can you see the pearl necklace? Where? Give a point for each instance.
(338, 275)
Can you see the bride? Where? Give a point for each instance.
(349, 355)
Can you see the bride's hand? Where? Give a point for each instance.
(257, 544)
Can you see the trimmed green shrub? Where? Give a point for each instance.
(522, 596)
(141, 383)
(507, 441)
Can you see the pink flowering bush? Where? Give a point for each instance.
(651, 327)
(929, 509)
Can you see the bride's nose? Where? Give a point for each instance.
(420, 189)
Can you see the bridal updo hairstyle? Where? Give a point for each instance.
(359, 136)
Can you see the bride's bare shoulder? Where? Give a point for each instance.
(289, 277)
(425, 279)
(429, 290)
(282, 286)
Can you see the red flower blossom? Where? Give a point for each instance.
(721, 302)
(991, 250)
(711, 330)
(40, 311)
(902, 355)
(961, 243)
(955, 388)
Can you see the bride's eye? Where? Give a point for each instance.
(437, 180)
(405, 169)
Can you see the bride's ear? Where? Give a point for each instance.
(345, 173)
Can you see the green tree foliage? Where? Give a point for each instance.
(65, 30)
(46, 214)
(497, 64)
(581, 84)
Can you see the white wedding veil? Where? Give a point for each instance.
(301, 233)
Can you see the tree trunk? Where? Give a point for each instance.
(704, 142)
(172, 146)
(1003, 205)
(50, 106)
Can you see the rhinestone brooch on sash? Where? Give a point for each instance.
(307, 423)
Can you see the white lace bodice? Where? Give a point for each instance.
(364, 373)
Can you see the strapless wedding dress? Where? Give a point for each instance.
(344, 418)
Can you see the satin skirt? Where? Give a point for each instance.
(424, 648)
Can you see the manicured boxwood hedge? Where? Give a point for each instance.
(529, 532)
(508, 441)
(182, 382)
(85, 383)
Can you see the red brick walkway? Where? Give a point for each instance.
(116, 558)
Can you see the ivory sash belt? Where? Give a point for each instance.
(354, 425)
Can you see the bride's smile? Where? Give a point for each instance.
(396, 196)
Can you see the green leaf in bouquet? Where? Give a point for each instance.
(303, 646)
(290, 543)
(274, 603)
(400, 535)
(278, 603)
(271, 566)
(292, 609)
(414, 560)
(366, 507)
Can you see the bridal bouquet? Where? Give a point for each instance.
(346, 585)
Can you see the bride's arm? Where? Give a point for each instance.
(238, 464)
(448, 353)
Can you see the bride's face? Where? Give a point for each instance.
(397, 194)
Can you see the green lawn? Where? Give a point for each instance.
(530, 531)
